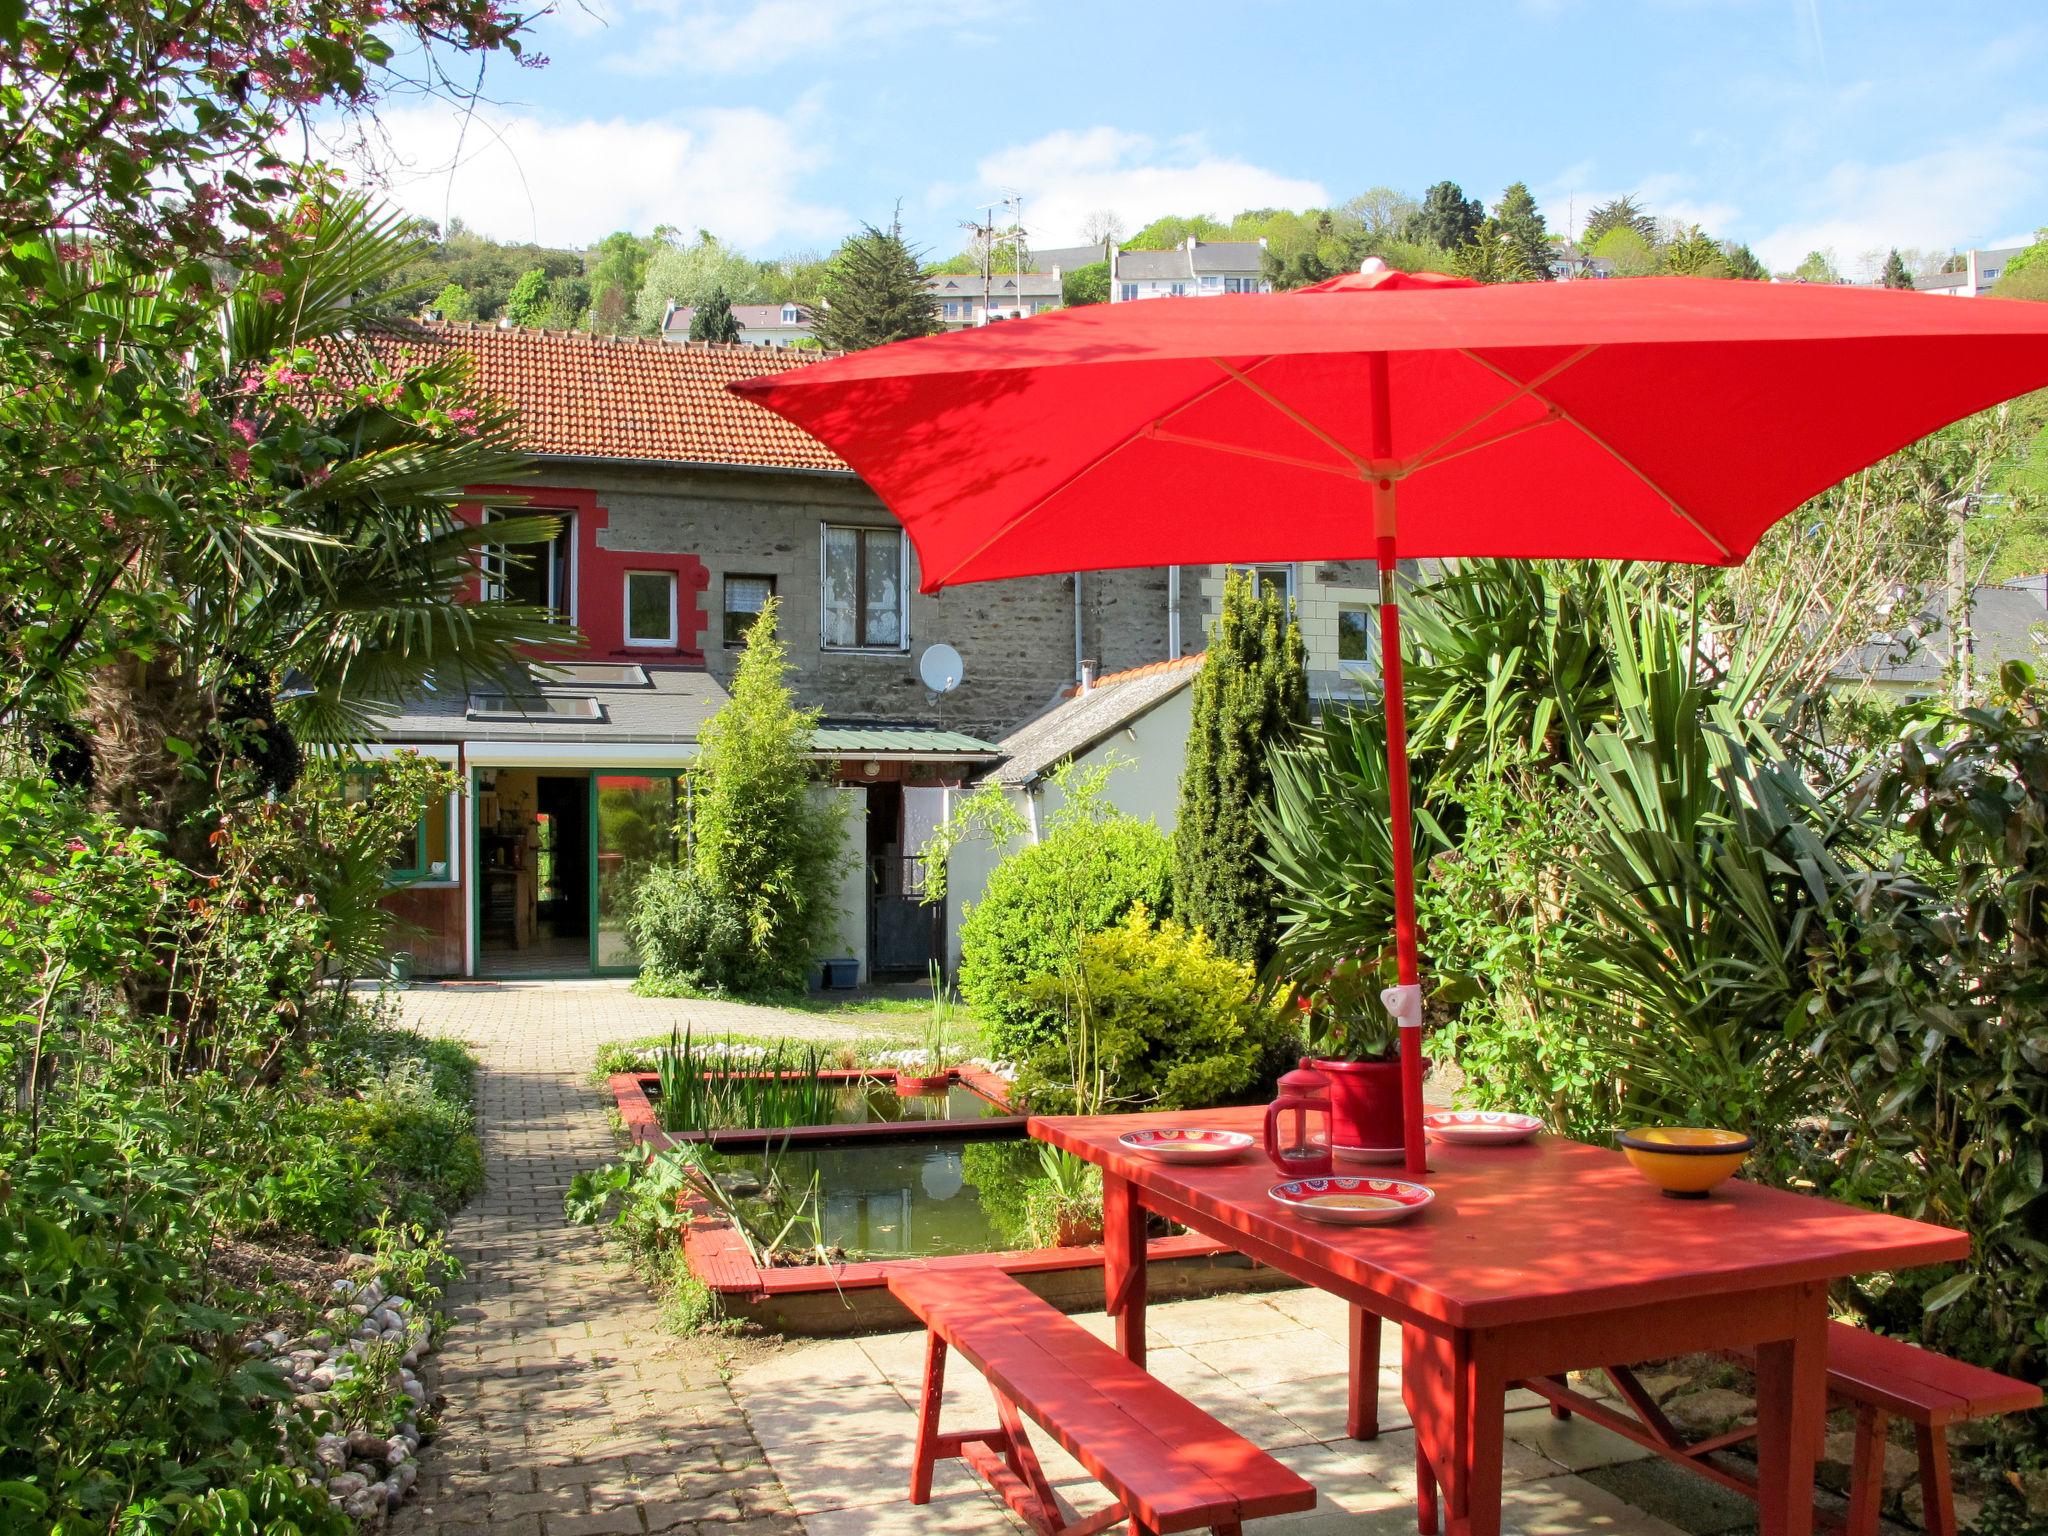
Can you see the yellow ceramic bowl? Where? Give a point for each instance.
(1685, 1161)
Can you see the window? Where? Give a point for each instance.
(1244, 285)
(1217, 282)
(1178, 290)
(745, 597)
(1127, 292)
(864, 589)
(650, 607)
(1354, 639)
(427, 858)
(789, 314)
(535, 574)
(952, 309)
(1273, 578)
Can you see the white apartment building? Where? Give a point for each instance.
(761, 325)
(1193, 269)
(1980, 270)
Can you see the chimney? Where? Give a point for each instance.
(1087, 676)
(1191, 242)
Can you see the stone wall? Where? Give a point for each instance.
(1015, 638)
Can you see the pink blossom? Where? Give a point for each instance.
(40, 898)
(238, 463)
(75, 844)
(273, 295)
(271, 267)
(243, 428)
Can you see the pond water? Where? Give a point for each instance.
(895, 1199)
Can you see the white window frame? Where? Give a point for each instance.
(666, 642)
(1127, 293)
(1371, 662)
(493, 585)
(1257, 568)
(902, 590)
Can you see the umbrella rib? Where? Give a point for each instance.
(1180, 440)
(1243, 377)
(1416, 466)
(1522, 392)
(1613, 453)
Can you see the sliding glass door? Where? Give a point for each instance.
(633, 829)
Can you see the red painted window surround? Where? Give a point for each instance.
(600, 574)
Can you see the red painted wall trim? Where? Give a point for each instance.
(599, 575)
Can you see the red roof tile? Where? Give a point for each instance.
(1150, 669)
(629, 397)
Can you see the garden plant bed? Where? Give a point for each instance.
(853, 1297)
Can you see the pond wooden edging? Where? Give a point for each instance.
(636, 1109)
(854, 1297)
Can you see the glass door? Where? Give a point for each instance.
(633, 818)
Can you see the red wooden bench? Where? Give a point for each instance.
(1169, 1466)
(1884, 1378)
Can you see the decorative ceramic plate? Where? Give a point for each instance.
(1188, 1144)
(1353, 1202)
(1481, 1127)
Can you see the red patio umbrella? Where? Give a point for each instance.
(1397, 416)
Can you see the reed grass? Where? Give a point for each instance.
(710, 1087)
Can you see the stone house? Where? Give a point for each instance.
(683, 508)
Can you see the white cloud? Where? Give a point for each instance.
(1946, 197)
(525, 176)
(751, 36)
(1579, 188)
(1070, 173)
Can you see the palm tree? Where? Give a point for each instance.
(329, 547)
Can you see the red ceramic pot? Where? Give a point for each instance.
(913, 1085)
(1366, 1122)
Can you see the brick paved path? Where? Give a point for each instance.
(568, 1408)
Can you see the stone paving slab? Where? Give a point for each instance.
(570, 1410)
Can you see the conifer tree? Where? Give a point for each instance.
(874, 292)
(1249, 697)
(1895, 274)
(1520, 223)
(713, 320)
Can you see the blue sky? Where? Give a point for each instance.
(778, 124)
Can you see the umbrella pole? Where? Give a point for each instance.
(1408, 1008)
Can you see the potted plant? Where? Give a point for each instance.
(1354, 1042)
(1063, 1208)
(932, 1075)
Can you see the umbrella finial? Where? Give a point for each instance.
(1372, 264)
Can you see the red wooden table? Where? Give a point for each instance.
(1547, 1257)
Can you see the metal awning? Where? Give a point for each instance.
(867, 739)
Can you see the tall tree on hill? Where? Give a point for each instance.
(1895, 274)
(528, 301)
(1447, 217)
(1622, 212)
(714, 320)
(874, 292)
(1494, 256)
(1743, 264)
(1694, 253)
(1520, 223)
(1250, 697)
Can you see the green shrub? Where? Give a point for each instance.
(1093, 865)
(1171, 1024)
(753, 904)
(1936, 1024)
(689, 938)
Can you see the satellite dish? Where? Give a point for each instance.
(939, 666)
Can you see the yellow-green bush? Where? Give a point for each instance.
(1167, 1022)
